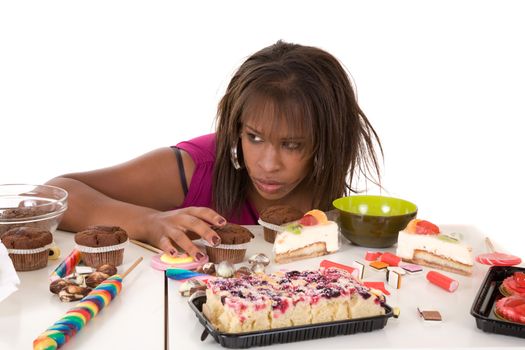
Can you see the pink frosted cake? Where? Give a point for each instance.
(262, 302)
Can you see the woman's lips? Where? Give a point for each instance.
(268, 186)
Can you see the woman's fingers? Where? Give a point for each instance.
(205, 214)
(192, 221)
(185, 243)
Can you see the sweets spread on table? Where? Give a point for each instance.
(285, 299)
(421, 242)
(313, 235)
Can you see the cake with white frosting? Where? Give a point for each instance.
(423, 243)
(285, 299)
(312, 235)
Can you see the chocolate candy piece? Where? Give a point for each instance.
(430, 315)
(258, 268)
(187, 288)
(259, 259)
(108, 269)
(73, 293)
(95, 279)
(57, 285)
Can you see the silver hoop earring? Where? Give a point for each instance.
(234, 158)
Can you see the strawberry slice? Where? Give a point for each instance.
(308, 220)
(519, 277)
(424, 227)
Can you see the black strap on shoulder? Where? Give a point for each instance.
(182, 174)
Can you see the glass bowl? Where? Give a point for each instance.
(373, 221)
(39, 206)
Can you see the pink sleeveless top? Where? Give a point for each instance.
(202, 151)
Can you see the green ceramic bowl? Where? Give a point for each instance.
(373, 221)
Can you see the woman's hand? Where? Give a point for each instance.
(174, 226)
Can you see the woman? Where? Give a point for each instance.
(289, 131)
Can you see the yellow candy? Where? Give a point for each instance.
(319, 215)
(54, 253)
(165, 258)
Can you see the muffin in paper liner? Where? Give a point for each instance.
(270, 230)
(97, 256)
(30, 259)
(233, 253)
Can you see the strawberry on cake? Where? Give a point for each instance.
(286, 299)
(312, 235)
(422, 242)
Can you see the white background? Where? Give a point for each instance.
(89, 84)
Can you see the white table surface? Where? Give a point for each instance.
(133, 320)
(457, 330)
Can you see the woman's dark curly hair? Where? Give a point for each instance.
(311, 90)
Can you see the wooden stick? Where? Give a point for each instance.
(132, 267)
(489, 245)
(146, 246)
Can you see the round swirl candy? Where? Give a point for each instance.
(76, 318)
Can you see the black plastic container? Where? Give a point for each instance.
(289, 334)
(484, 304)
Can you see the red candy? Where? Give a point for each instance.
(372, 256)
(498, 259)
(390, 259)
(442, 281)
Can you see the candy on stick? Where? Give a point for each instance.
(496, 258)
(76, 318)
(67, 266)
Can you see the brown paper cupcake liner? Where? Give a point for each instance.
(234, 256)
(269, 235)
(95, 260)
(30, 262)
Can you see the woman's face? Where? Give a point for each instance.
(276, 161)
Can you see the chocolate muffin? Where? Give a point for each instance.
(101, 245)
(28, 247)
(234, 239)
(278, 215)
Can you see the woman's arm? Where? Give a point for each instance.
(138, 195)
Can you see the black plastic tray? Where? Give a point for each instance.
(289, 334)
(484, 304)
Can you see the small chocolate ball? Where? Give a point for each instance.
(208, 268)
(242, 271)
(73, 293)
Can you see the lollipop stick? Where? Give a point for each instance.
(131, 267)
(146, 246)
(489, 245)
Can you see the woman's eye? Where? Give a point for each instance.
(253, 138)
(290, 145)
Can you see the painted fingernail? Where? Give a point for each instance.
(173, 252)
(222, 221)
(199, 256)
(216, 240)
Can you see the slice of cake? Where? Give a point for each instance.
(261, 302)
(313, 235)
(421, 242)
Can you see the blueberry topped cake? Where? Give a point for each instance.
(285, 299)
